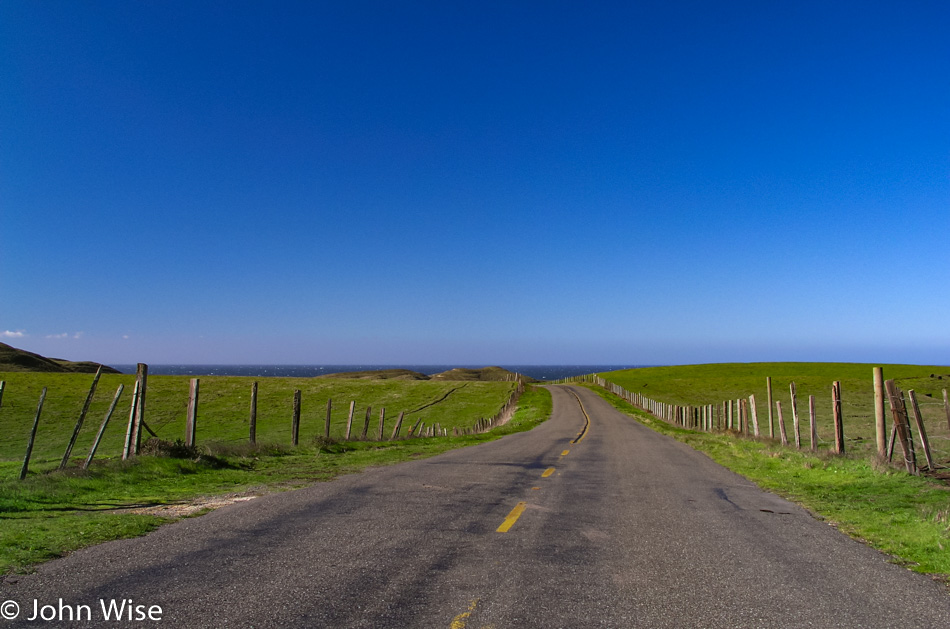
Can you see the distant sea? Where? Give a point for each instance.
(539, 372)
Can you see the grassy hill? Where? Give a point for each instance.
(18, 360)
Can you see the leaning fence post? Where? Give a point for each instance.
(880, 424)
(839, 421)
(398, 425)
(295, 423)
(102, 428)
(369, 410)
(192, 417)
(82, 418)
(127, 449)
(326, 428)
(29, 444)
(781, 423)
(252, 421)
(901, 424)
(349, 420)
(921, 429)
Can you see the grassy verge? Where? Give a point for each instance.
(905, 516)
(50, 514)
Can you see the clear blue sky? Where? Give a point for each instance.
(492, 183)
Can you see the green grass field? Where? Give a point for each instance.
(711, 384)
(224, 410)
(52, 512)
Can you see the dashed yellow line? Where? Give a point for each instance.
(547, 472)
(565, 453)
(512, 518)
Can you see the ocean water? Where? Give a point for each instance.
(539, 372)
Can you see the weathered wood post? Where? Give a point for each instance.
(839, 420)
(127, 449)
(398, 426)
(102, 428)
(29, 444)
(795, 422)
(369, 410)
(946, 407)
(880, 423)
(295, 423)
(192, 417)
(768, 387)
(349, 420)
(141, 378)
(901, 424)
(252, 420)
(781, 423)
(813, 427)
(382, 421)
(3, 384)
(755, 416)
(82, 418)
(921, 429)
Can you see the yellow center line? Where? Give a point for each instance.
(565, 453)
(583, 432)
(459, 621)
(512, 518)
(547, 472)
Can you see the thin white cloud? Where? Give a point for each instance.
(77, 335)
(9, 334)
(57, 336)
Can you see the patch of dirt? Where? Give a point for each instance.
(185, 509)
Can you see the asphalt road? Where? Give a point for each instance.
(620, 528)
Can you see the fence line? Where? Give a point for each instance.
(730, 415)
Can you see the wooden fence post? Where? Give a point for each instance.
(82, 418)
(755, 416)
(795, 422)
(839, 420)
(3, 384)
(398, 426)
(127, 449)
(781, 423)
(946, 407)
(252, 421)
(812, 425)
(192, 418)
(295, 423)
(349, 420)
(29, 444)
(880, 423)
(921, 429)
(102, 428)
(901, 424)
(744, 416)
(141, 377)
(768, 386)
(369, 410)
(326, 427)
(382, 421)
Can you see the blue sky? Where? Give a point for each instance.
(491, 183)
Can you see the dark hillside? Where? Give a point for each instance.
(13, 359)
